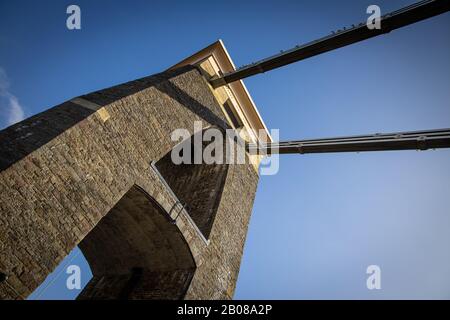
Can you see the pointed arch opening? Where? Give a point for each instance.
(136, 252)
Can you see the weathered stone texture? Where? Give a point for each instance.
(63, 170)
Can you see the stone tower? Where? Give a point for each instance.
(96, 172)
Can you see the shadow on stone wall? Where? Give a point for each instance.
(22, 138)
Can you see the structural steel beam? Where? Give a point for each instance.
(413, 140)
(391, 21)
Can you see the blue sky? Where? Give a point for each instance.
(322, 219)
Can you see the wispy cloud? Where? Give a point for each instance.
(13, 110)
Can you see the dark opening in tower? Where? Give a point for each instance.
(198, 186)
(136, 252)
